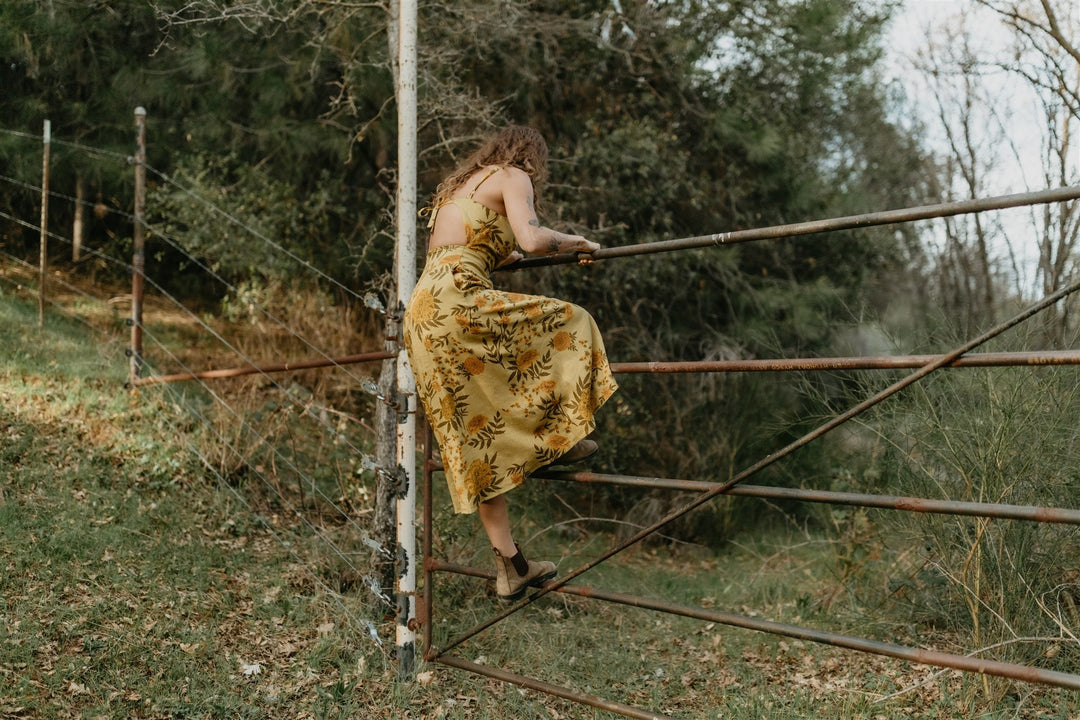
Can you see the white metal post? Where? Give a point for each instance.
(405, 262)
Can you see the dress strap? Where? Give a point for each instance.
(492, 172)
(430, 212)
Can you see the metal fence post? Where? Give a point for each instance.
(405, 261)
(43, 259)
(138, 262)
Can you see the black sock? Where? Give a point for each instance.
(520, 563)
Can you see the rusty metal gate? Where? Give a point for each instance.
(920, 365)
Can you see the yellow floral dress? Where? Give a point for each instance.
(510, 382)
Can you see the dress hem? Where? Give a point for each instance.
(575, 438)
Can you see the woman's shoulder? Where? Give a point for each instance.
(515, 173)
(510, 176)
(492, 182)
(498, 172)
(489, 176)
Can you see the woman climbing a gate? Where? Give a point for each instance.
(510, 382)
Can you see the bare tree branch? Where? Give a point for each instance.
(1054, 30)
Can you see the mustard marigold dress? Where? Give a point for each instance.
(510, 382)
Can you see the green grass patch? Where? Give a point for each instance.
(135, 583)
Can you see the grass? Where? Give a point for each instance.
(135, 583)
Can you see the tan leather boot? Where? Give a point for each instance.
(513, 576)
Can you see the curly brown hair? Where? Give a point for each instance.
(517, 145)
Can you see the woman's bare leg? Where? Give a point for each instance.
(513, 573)
(495, 518)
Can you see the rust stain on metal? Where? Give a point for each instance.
(923, 365)
(253, 370)
(887, 362)
(556, 690)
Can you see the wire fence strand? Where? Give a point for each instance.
(363, 383)
(367, 625)
(367, 461)
(261, 439)
(254, 232)
(361, 623)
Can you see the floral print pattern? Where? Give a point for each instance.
(510, 382)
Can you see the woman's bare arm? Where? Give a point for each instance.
(533, 237)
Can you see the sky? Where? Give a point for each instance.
(1016, 105)
(1011, 143)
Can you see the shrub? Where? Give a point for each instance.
(1008, 589)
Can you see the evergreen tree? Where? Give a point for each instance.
(673, 119)
(666, 118)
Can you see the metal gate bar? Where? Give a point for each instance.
(720, 488)
(901, 652)
(1005, 511)
(557, 690)
(887, 362)
(893, 502)
(925, 365)
(813, 227)
(1054, 357)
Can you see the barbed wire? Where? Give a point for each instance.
(166, 178)
(368, 462)
(370, 582)
(245, 425)
(368, 299)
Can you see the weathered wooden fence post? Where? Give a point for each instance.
(384, 528)
(43, 258)
(78, 223)
(138, 262)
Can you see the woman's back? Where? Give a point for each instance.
(484, 189)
